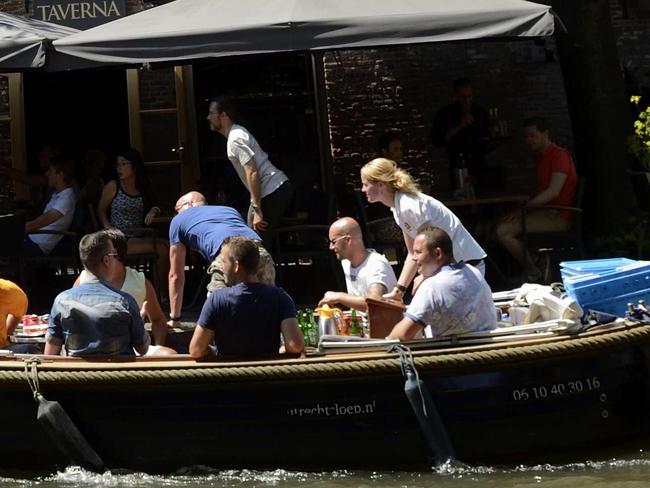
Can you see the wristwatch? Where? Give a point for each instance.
(400, 288)
(174, 319)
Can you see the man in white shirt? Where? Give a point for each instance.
(454, 298)
(59, 211)
(367, 273)
(270, 190)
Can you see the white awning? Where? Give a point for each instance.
(23, 41)
(193, 29)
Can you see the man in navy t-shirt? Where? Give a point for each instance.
(204, 228)
(248, 317)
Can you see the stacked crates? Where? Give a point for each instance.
(607, 285)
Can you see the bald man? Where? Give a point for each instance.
(204, 228)
(367, 273)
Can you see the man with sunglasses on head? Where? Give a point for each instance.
(94, 318)
(203, 228)
(367, 273)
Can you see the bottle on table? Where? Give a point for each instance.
(460, 176)
(312, 333)
(355, 330)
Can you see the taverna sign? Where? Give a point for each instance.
(80, 14)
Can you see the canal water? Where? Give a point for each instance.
(631, 472)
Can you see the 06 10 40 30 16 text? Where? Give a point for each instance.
(541, 392)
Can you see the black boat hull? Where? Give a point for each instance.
(561, 406)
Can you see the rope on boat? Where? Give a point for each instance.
(352, 367)
(31, 371)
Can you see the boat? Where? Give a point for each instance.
(543, 395)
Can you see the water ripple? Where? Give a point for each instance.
(624, 473)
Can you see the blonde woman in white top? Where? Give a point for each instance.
(382, 181)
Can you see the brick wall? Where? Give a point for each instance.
(401, 88)
(632, 30)
(16, 7)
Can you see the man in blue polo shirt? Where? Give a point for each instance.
(204, 228)
(95, 318)
(454, 298)
(248, 317)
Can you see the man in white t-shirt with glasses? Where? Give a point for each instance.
(367, 272)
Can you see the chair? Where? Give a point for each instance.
(382, 316)
(385, 236)
(302, 249)
(12, 228)
(197, 264)
(145, 262)
(567, 242)
(64, 258)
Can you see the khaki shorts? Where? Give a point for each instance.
(265, 271)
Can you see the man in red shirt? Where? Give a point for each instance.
(556, 185)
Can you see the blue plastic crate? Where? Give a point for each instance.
(588, 289)
(592, 266)
(618, 305)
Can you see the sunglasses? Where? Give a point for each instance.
(333, 241)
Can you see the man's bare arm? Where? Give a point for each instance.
(553, 190)
(405, 329)
(376, 290)
(177, 254)
(293, 338)
(200, 343)
(43, 220)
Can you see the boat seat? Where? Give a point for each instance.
(382, 316)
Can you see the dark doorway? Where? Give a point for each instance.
(76, 111)
(275, 98)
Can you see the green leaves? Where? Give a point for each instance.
(639, 143)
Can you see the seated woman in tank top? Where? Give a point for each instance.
(125, 204)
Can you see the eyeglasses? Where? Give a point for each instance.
(333, 241)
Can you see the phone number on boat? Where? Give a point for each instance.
(556, 389)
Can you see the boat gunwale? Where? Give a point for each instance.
(185, 362)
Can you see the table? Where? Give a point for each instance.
(161, 219)
(487, 200)
(515, 200)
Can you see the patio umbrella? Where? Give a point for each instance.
(24, 41)
(192, 29)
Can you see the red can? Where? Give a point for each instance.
(30, 320)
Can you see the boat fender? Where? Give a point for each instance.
(58, 425)
(425, 410)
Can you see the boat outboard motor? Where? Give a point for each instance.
(425, 409)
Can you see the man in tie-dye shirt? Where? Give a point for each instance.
(453, 298)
